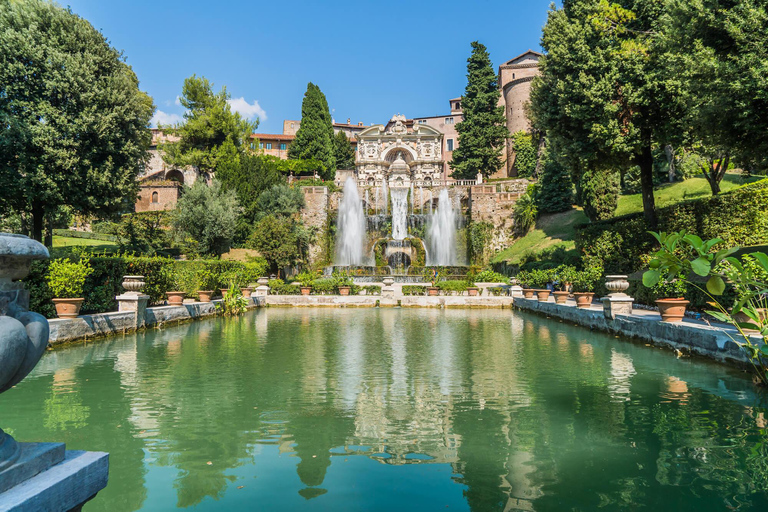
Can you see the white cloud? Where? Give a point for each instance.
(161, 117)
(178, 101)
(248, 110)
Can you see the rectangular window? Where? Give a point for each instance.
(282, 146)
(448, 120)
(422, 121)
(261, 145)
(269, 145)
(449, 144)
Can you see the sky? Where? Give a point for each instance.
(372, 59)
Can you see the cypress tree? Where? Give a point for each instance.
(314, 140)
(483, 131)
(343, 151)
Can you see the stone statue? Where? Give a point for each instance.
(23, 334)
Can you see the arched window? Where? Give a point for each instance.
(154, 197)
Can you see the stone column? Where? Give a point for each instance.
(617, 302)
(133, 300)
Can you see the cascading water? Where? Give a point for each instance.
(351, 227)
(442, 232)
(399, 213)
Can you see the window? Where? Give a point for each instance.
(448, 120)
(458, 105)
(422, 121)
(282, 146)
(261, 145)
(269, 145)
(292, 126)
(154, 197)
(449, 144)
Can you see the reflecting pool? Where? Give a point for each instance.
(396, 409)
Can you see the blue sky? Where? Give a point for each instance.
(371, 59)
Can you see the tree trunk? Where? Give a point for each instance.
(38, 221)
(670, 152)
(48, 232)
(645, 161)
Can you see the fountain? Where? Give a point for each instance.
(35, 476)
(351, 227)
(442, 232)
(399, 213)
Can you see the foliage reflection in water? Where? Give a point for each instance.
(398, 409)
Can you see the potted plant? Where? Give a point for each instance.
(207, 284)
(564, 275)
(535, 282)
(472, 290)
(66, 280)
(305, 281)
(583, 283)
(672, 303)
(526, 279)
(432, 275)
(176, 294)
(344, 284)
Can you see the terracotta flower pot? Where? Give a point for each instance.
(583, 299)
(344, 290)
(246, 291)
(472, 291)
(561, 297)
(305, 290)
(175, 298)
(204, 295)
(223, 291)
(672, 310)
(528, 293)
(740, 317)
(433, 290)
(542, 295)
(68, 308)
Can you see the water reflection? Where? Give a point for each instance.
(387, 409)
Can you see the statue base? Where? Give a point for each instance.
(48, 477)
(617, 305)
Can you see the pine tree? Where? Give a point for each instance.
(314, 140)
(343, 151)
(483, 131)
(555, 189)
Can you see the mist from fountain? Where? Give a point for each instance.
(351, 227)
(399, 213)
(442, 232)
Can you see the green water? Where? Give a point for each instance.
(398, 410)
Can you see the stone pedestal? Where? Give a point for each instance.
(262, 290)
(136, 303)
(516, 291)
(388, 291)
(618, 302)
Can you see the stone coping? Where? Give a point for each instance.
(689, 336)
(371, 301)
(65, 330)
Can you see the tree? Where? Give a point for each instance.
(73, 122)
(314, 140)
(555, 189)
(599, 192)
(205, 218)
(212, 136)
(604, 95)
(279, 200)
(483, 131)
(275, 237)
(525, 154)
(343, 151)
(718, 49)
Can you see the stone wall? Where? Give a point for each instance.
(315, 214)
(157, 197)
(488, 205)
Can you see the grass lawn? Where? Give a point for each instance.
(557, 229)
(93, 245)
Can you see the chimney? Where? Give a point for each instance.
(349, 121)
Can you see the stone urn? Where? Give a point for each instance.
(561, 297)
(528, 293)
(583, 299)
(133, 284)
(617, 284)
(175, 298)
(542, 295)
(262, 281)
(23, 334)
(388, 281)
(672, 310)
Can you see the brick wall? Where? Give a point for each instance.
(165, 199)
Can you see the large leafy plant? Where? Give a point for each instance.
(66, 278)
(683, 255)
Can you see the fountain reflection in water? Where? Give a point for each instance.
(442, 232)
(399, 213)
(351, 226)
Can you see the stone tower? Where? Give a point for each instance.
(515, 77)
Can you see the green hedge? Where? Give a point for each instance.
(84, 234)
(622, 244)
(160, 275)
(410, 289)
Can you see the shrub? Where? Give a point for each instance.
(232, 303)
(587, 280)
(537, 278)
(555, 190)
(372, 289)
(452, 286)
(324, 286)
(411, 289)
(525, 213)
(525, 153)
(480, 235)
(66, 279)
(489, 276)
(599, 193)
(279, 287)
(85, 235)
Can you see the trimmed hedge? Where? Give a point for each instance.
(622, 244)
(411, 289)
(160, 275)
(69, 233)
